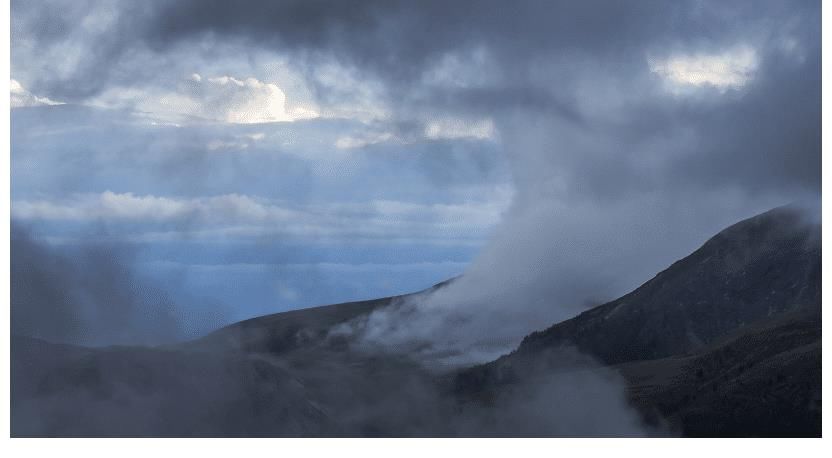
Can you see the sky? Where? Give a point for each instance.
(251, 157)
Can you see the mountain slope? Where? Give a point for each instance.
(725, 342)
(282, 332)
(763, 266)
(763, 380)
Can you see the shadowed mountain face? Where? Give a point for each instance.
(764, 380)
(725, 342)
(758, 268)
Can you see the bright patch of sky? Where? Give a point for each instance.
(218, 99)
(731, 69)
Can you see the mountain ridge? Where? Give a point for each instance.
(637, 335)
(777, 230)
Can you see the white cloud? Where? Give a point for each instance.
(436, 129)
(452, 129)
(20, 97)
(731, 69)
(221, 99)
(248, 101)
(241, 216)
(364, 140)
(110, 206)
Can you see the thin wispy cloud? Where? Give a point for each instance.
(246, 216)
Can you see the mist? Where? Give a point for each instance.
(564, 245)
(92, 294)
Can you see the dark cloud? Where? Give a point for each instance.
(541, 50)
(397, 39)
(76, 49)
(771, 138)
(402, 37)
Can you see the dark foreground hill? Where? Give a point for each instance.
(725, 342)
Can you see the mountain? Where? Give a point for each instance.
(760, 267)
(282, 332)
(725, 342)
